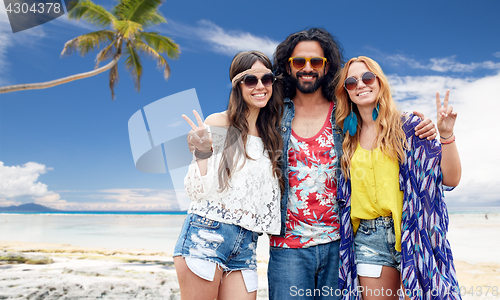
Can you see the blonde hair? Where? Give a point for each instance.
(391, 138)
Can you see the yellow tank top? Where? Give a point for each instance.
(375, 189)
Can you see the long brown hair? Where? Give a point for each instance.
(390, 134)
(267, 123)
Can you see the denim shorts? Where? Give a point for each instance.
(205, 243)
(375, 243)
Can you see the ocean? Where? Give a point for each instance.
(113, 230)
(151, 231)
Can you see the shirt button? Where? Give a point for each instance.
(283, 128)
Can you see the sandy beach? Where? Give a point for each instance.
(76, 272)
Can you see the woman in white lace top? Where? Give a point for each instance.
(235, 186)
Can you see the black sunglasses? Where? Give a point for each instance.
(251, 81)
(351, 83)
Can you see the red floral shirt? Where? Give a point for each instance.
(312, 216)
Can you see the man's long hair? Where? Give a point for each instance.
(332, 50)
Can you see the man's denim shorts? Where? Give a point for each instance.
(205, 243)
(375, 246)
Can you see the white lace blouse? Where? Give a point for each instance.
(252, 199)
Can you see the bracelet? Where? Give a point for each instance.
(449, 142)
(203, 155)
(447, 137)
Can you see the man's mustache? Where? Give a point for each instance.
(307, 74)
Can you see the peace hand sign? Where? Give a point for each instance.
(445, 116)
(198, 137)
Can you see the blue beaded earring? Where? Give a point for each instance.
(351, 123)
(375, 112)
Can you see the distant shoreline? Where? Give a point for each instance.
(37, 209)
(474, 210)
(97, 213)
(451, 210)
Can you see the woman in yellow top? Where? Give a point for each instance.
(378, 163)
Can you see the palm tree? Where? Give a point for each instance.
(127, 20)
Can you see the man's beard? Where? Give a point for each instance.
(307, 88)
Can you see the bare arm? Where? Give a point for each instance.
(450, 160)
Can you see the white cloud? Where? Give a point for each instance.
(9, 202)
(477, 102)
(19, 184)
(8, 40)
(126, 199)
(448, 64)
(228, 42)
(5, 41)
(496, 54)
(104, 200)
(140, 196)
(22, 182)
(26, 38)
(445, 64)
(64, 21)
(418, 90)
(51, 199)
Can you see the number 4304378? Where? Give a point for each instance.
(40, 8)
(485, 290)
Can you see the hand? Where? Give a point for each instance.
(445, 116)
(198, 137)
(425, 129)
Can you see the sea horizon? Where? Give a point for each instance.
(99, 212)
(474, 210)
(451, 210)
(151, 231)
(154, 231)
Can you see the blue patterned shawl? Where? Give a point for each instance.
(427, 265)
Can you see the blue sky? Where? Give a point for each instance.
(68, 146)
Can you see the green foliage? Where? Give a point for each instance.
(92, 13)
(87, 42)
(127, 20)
(133, 64)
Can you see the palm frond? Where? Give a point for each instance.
(144, 12)
(161, 61)
(86, 43)
(92, 13)
(160, 43)
(113, 80)
(128, 29)
(105, 54)
(155, 18)
(133, 65)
